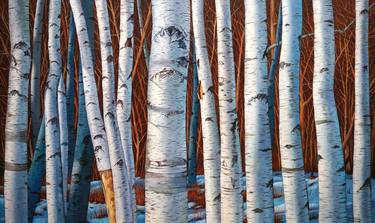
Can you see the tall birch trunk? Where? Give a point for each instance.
(54, 178)
(295, 193)
(258, 148)
(15, 174)
(35, 109)
(124, 210)
(95, 121)
(124, 90)
(362, 121)
(83, 158)
(165, 180)
(63, 127)
(231, 171)
(210, 131)
(332, 195)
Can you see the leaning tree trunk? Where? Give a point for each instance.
(332, 195)
(15, 174)
(123, 199)
(296, 203)
(124, 90)
(210, 131)
(54, 178)
(95, 121)
(258, 147)
(231, 171)
(83, 158)
(35, 109)
(362, 121)
(165, 180)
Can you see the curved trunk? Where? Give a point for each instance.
(82, 165)
(95, 121)
(15, 174)
(35, 109)
(296, 203)
(258, 148)
(210, 131)
(332, 195)
(54, 178)
(124, 90)
(165, 180)
(124, 211)
(362, 121)
(231, 171)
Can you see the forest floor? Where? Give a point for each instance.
(97, 212)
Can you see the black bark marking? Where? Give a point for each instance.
(209, 119)
(365, 11)
(53, 121)
(320, 122)
(166, 73)
(320, 157)
(128, 42)
(270, 183)
(367, 183)
(257, 210)
(20, 45)
(110, 59)
(108, 44)
(98, 148)
(296, 128)
(175, 35)
(289, 146)
(100, 136)
(266, 149)
(324, 69)
(15, 92)
(284, 65)
(226, 29)
(182, 61)
(120, 162)
(260, 97)
(341, 169)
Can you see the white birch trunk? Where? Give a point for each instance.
(124, 90)
(35, 109)
(54, 177)
(231, 171)
(124, 211)
(296, 203)
(258, 147)
(210, 131)
(15, 174)
(362, 121)
(63, 122)
(332, 195)
(165, 180)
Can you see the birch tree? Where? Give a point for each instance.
(332, 188)
(54, 178)
(210, 131)
(15, 174)
(292, 165)
(95, 121)
(362, 121)
(258, 147)
(124, 210)
(124, 90)
(231, 171)
(165, 180)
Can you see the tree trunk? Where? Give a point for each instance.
(258, 147)
(123, 200)
(54, 176)
(95, 121)
(15, 174)
(166, 196)
(210, 131)
(332, 195)
(146, 52)
(124, 90)
(362, 121)
(231, 170)
(35, 109)
(296, 203)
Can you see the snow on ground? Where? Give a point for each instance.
(196, 213)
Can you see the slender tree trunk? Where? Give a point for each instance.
(146, 52)
(37, 171)
(231, 171)
(123, 199)
(166, 196)
(332, 195)
(124, 90)
(362, 121)
(36, 114)
(95, 121)
(193, 131)
(61, 98)
(296, 202)
(210, 131)
(54, 176)
(15, 174)
(258, 148)
(82, 164)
